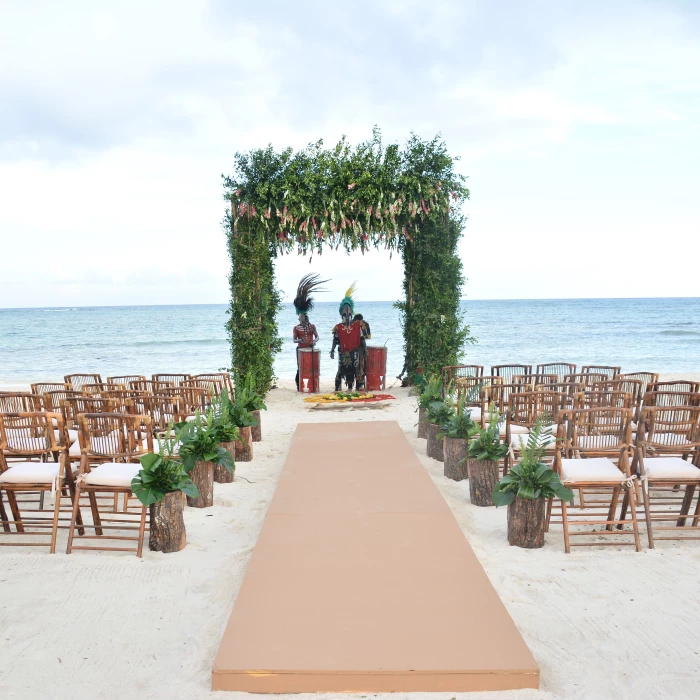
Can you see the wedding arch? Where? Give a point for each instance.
(407, 200)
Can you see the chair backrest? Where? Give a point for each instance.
(125, 379)
(78, 381)
(507, 371)
(645, 377)
(471, 387)
(453, 372)
(52, 399)
(20, 402)
(599, 399)
(43, 387)
(675, 385)
(498, 395)
(669, 430)
(533, 380)
(120, 397)
(172, 379)
(633, 387)
(115, 437)
(527, 407)
(568, 388)
(99, 389)
(194, 398)
(225, 376)
(598, 432)
(213, 386)
(149, 386)
(609, 371)
(559, 368)
(73, 406)
(31, 433)
(585, 378)
(671, 398)
(162, 410)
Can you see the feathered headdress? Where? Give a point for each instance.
(347, 299)
(303, 302)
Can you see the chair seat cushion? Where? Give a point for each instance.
(669, 468)
(113, 474)
(596, 469)
(31, 473)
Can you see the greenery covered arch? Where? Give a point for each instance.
(406, 200)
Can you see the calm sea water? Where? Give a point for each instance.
(638, 334)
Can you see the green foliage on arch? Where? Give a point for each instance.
(402, 199)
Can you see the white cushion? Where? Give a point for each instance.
(113, 474)
(31, 473)
(72, 435)
(475, 413)
(669, 468)
(594, 469)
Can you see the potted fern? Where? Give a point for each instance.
(437, 414)
(527, 487)
(456, 433)
(159, 485)
(227, 433)
(200, 451)
(483, 455)
(253, 402)
(430, 390)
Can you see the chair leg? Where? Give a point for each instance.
(56, 511)
(548, 516)
(12, 499)
(687, 501)
(74, 517)
(3, 516)
(79, 518)
(647, 515)
(613, 507)
(633, 512)
(142, 532)
(565, 524)
(96, 521)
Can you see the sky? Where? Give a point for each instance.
(577, 125)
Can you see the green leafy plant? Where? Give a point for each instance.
(439, 412)
(432, 391)
(161, 473)
(249, 397)
(487, 445)
(199, 442)
(460, 425)
(223, 423)
(531, 478)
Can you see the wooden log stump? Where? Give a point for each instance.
(455, 451)
(167, 533)
(483, 477)
(244, 445)
(203, 477)
(434, 445)
(221, 474)
(256, 430)
(422, 425)
(526, 522)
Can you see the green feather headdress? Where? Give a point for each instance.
(347, 299)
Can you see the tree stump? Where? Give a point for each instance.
(167, 533)
(203, 477)
(256, 430)
(244, 445)
(221, 474)
(434, 445)
(455, 450)
(526, 521)
(483, 477)
(422, 425)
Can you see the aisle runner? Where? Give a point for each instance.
(362, 580)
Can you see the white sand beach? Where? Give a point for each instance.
(601, 623)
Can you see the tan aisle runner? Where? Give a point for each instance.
(362, 580)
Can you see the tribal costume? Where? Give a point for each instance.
(305, 334)
(349, 336)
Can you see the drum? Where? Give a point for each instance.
(375, 372)
(309, 370)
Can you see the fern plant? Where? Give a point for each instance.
(460, 425)
(432, 391)
(531, 477)
(439, 412)
(487, 445)
(199, 442)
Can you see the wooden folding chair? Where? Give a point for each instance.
(530, 381)
(452, 373)
(78, 381)
(125, 379)
(584, 378)
(148, 386)
(31, 438)
(668, 455)
(609, 371)
(214, 386)
(596, 442)
(469, 391)
(171, 379)
(223, 376)
(111, 444)
(193, 398)
(674, 385)
(645, 378)
(42, 387)
(561, 369)
(508, 371)
(162, 410)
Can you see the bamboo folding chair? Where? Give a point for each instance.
(469, 391)
(125, 379)
(633, 387)
(609, 371)
(452, 373)
(585, 378)
(30, 437)
(224, 376)
(561, 369)
(121, 397)
(194, 398)
(675, 385)
(99, 389)
(568, 388)
(508, 371)
(596, 442)
(72, 407)
(42, 387)
(20, 402)
(214, 386)
(671, 398)
(111, 444)
(162, 410)
(148, 386)
(172, 379)
(78, 381)
(668, 457)
(530, 381)
(645, 377)
(499, 395)
(603, 399)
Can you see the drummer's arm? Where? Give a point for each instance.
(336, 341)
(314, 333)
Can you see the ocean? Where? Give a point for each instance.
(661, 335)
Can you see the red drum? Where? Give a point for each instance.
(375, 372)
(309, 370)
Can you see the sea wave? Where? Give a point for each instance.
(694, 334)
(203, 341)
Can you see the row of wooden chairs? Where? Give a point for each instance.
(87, 382)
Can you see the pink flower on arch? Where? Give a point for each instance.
(351, 185)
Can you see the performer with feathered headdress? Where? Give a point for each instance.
(348, 335)
(305, 334)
